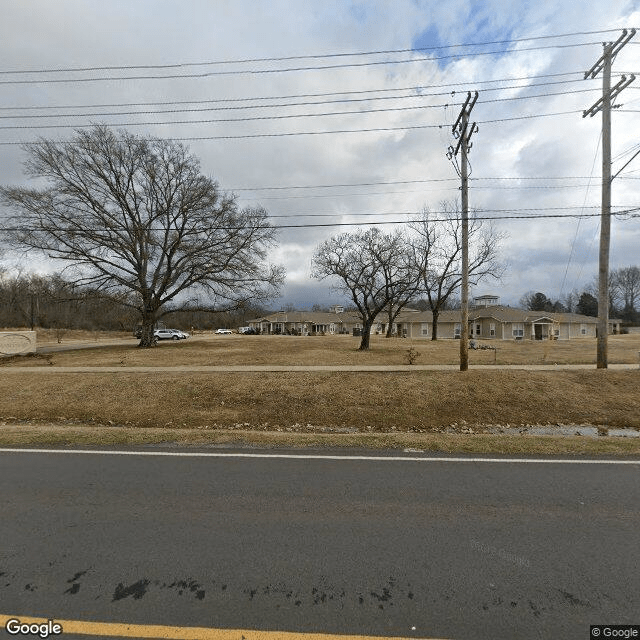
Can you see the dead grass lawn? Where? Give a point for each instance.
(323, 408)
(333, 350)
(416, 401)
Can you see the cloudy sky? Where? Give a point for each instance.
(340, 111)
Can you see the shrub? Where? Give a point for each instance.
(412, 355)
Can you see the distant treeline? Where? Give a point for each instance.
(51, 302)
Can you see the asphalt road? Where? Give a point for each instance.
(441, 548)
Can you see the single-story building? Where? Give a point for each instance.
(304, 323)
(487, 321)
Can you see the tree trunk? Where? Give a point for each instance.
(147, 339)
(389, 323)
(366, 334)
(434, 327)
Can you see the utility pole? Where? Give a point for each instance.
(604, 104)
(463, 132)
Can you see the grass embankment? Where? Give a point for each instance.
(421, 404)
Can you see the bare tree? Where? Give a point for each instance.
(437, 251)
(570, 301)
(402, 281)
(627, 286)
(593, 289)
(135, 214)
(372, 269)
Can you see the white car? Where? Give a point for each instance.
(168, 334)
(225, 331)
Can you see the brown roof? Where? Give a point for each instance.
(500, 313)
(310, 317)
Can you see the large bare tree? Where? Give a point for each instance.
(136, 214)
(371, 268)
(437, 251)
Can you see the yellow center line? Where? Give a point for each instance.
(124, 630)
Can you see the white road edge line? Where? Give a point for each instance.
(293, 456)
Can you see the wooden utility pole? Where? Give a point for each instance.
(462, 130)
(604, 104)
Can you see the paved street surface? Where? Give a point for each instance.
(410, 547)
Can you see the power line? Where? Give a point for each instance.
(407, 213)
(217, 120)
(392, 182)
(327, 94)
(307, 103)
(330, 67)
(301, 57)
(573, 241)
(403, 222)
(424, 190)
(274, 135)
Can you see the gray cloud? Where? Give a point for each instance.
(42, 34)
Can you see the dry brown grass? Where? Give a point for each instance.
(90, 435)
(341, 407)
(334, 350)
(68, 336)
(358, 401)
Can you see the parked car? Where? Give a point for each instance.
(225, 331)
(182, 335)
(167, 334)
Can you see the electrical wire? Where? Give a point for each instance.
(271, 135)
(331, 93)
(218, 120)
(390, 182)
(381, 193)
(299, 104)
(573, 242)
(627, 212)
(304, 57)
(330, 67)
(432, 212)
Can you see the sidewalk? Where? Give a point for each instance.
(269, 368)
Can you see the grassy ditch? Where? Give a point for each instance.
(75, 435)
(325, 405)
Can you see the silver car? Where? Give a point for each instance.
(168, 334)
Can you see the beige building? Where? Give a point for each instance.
(304, 323)
(487, 321)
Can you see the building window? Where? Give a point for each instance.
(583, 329)
(477, 329)
(492, 329)
(425, 329)
(456, 330)
(518, 330)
